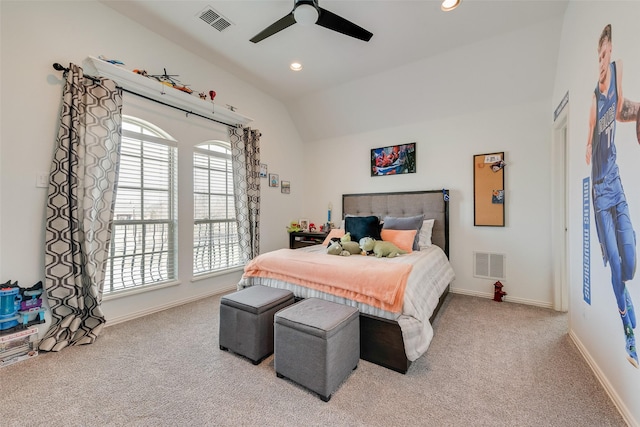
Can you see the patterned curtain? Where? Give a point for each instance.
(245, 153)
(80, 202)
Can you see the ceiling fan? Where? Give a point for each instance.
(307, 12)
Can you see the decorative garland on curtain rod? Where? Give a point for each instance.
(59, 67)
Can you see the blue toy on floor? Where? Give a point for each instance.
(9, 305)
(32, 305)
(18, 306)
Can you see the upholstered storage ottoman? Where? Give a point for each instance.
(246, 320)
(317, 344)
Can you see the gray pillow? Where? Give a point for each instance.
(405, 223)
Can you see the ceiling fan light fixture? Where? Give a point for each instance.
(448, 5)
(305, 14)
(296, 66)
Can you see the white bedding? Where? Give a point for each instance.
(430, 275)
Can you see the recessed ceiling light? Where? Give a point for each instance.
(448, 5)
(296, 66)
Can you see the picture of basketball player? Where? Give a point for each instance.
(611, 212)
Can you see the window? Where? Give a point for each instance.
(143, 241)
(215, 237)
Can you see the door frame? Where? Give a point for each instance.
(560, 211)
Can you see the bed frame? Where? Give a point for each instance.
(381, 340)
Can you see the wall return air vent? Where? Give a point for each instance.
(489, 265)
(214, 19)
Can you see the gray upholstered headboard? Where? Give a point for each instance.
(433, 204)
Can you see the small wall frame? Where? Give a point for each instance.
(488, 189)
(274, 180)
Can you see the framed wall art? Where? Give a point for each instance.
(285, 187)
(488, 189)
(274, 180)
(263, 170)
(393, 160)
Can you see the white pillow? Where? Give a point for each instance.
(424, 239)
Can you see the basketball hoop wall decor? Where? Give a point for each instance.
(488, 189)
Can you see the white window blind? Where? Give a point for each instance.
(143, 243)
(215, 236)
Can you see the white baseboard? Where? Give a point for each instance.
(610, 390)
(134, 315)
(507, 298)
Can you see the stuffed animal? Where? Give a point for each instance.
(346, 238)
(352, 247)
(335, 248)
(380, 248)
(344, 248)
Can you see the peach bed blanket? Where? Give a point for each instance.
(359, 278)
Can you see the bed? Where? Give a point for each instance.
(390, 337)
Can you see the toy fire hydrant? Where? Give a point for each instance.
(498, 293)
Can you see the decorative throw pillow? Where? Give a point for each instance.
(403, 239)
(405, 223)
(424, 238)
(362, 226)
(336, 232)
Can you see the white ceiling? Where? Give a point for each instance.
(403, 32)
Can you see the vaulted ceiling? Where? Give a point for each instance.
(403, 32)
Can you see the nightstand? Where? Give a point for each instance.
(300, 239)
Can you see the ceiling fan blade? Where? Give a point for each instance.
(337, 23)
(277, 26)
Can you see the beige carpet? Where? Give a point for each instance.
(490, 364)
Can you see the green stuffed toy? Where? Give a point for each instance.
(380, 248)
(335, 248)
(344, 248)
(352, 247)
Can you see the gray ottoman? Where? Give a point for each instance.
(246, 320)
(317, 344)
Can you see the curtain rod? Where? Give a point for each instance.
(59, 67)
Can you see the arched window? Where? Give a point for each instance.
(143, 245)
(215, 234)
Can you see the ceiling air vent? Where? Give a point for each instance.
(214, 19)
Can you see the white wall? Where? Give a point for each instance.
(596, 327)
(37, 34)
(444, 160)
(492, 102)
